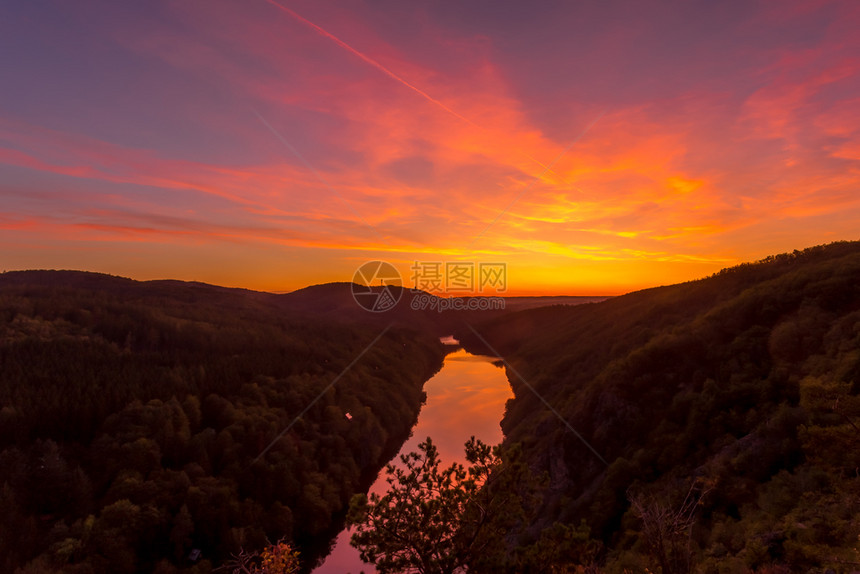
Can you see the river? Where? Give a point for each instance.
(466, 397)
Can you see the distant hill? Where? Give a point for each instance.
(143, 291)
(738, 393)
(416, 309)
(329, 301)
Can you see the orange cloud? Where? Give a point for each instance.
(412, 157)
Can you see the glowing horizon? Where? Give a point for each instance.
(595, 149)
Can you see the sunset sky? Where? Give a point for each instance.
(594, 147)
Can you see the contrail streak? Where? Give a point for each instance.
(368, 60)
(318, 175)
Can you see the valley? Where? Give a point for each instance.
(165, 426)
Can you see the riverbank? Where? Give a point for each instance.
(465, 398)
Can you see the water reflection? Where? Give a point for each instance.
(466, 397)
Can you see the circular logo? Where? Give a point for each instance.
(376, 286)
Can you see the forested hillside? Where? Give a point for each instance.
(712, 426)
(725, 414)
(132, 416)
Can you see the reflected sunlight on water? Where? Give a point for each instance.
(466, 397)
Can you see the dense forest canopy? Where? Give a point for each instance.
(740, 392)
(132, 417)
